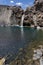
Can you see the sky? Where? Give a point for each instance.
(23, 3)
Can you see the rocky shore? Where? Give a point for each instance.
(31, 55)
(12, 15)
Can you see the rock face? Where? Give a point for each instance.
(38, 1)
(5, 14)
(35, 10)
(39, 11)
(38, 5)
(17, 12)
(29, 16)
(10, 15)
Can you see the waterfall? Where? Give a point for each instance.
(22, 19)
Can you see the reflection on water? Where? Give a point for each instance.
(22, 32)
(13, 38)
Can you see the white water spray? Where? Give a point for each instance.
(22, 19)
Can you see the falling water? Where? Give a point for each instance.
(22, 19)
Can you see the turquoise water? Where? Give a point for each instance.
(13, 38)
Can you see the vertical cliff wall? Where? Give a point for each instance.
(10, 15)
(5, 14)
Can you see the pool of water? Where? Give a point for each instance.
(14, 38)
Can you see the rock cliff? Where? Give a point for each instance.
(11, 15)
(37, 10)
